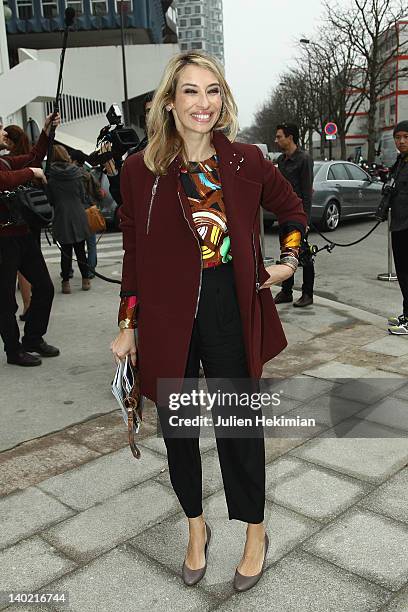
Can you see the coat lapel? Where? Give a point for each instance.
(241, 195)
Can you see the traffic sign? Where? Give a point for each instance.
(330, 136)
(330, 129)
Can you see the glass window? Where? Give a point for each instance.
(197, 45)
(338, 172)
(25, 9)
(127, 6)
(49, 8)
(187, 10)
(183, 23)
(189, 34)
(184, 46)
(77, 5)
(197, 10)
(98, 7)
(198, 33)
(196, 21)
(356, 173)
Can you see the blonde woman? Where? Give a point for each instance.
(195, 286)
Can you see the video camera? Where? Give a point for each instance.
(121, 138)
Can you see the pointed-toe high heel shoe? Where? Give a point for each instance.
(243, 583)
(191, 576)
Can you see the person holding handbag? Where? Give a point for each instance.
(19, 250)
(194, 283)
(70, 225)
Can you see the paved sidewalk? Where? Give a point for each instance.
(80, 515)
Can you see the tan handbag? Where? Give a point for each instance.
(96, 220)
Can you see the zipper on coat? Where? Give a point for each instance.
(257, 284)
(199, 247)
(154, 189)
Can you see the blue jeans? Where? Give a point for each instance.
(91, 252)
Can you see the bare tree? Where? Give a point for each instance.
(370, 29)
(333, 83)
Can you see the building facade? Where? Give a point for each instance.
(93, 76)
(200, 26)
(392, 103)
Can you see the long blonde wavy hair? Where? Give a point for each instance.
(165, 142)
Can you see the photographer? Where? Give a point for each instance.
(113, 166)
(399, 224)
(20, 251)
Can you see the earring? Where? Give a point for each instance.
(169, 107)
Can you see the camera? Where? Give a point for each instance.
(388, 191)
(122, 139)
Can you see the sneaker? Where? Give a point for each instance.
(401, 329)
(396, 320)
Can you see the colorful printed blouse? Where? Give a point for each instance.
(202, 185)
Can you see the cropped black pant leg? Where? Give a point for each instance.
(217, 341)
(400, 251)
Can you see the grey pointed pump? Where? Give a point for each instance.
(243, 583)
(191, 576)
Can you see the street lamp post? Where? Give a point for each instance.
(122, 36)
(306, 41)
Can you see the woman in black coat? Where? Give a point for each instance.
(70, 225)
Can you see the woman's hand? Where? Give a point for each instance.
(50, 119)
(39, 174)
(277, 274)
(124, 344)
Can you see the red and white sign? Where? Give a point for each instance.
(330, 129)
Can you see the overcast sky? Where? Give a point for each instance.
(260, 38)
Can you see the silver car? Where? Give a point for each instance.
(341, 190)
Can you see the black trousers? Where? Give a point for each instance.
(217, 342)
(66, 259)
(24, 254)
(399, 242)
(308, 276)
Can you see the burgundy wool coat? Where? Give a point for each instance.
(162, 260)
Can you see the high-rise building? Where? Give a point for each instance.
(200, 26)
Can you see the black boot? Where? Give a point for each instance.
(23, 359)
(43, 349)
(305, 300)
(283, 298)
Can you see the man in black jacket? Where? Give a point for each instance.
(399, 224)
(297, 167)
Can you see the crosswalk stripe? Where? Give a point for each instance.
(100, 247)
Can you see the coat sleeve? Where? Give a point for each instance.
(10, 179)
(33, 158)
(128, 293)
(279, 197)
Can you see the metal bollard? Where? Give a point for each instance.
(390, 275)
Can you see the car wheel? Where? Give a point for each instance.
(331, 216)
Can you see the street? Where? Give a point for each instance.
(349, 275)
(82, 517)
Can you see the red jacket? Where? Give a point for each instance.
(162, 260)
(14, 171)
